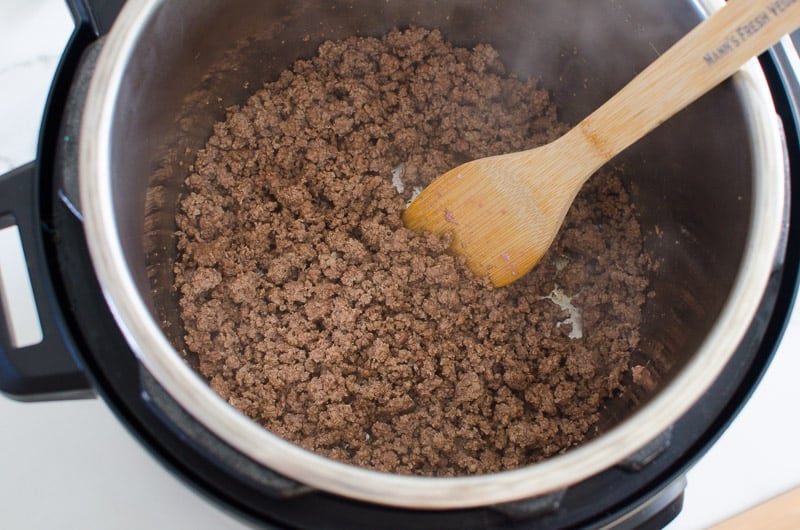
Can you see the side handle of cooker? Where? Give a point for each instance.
(36, 360)
(97, 14)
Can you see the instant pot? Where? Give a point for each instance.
(91, 225)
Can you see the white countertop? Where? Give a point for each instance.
(71, 465)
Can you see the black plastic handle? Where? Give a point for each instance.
(36, 354)
(98, 14)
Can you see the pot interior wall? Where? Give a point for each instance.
(691, 180)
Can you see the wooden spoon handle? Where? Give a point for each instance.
(706, 56)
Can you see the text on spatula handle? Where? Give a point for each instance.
(745, 31)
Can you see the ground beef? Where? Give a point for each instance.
(315, 312)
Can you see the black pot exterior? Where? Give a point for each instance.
(644, 490)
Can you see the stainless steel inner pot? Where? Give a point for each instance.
(709, 185)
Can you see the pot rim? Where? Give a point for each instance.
(159, 357)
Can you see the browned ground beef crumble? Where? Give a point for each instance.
(316, 313)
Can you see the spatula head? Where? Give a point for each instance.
(500, 223)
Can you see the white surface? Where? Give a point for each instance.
(73, 466)
(21, 315)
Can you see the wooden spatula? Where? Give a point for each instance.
(504, 211)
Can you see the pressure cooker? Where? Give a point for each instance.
(91, 225)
